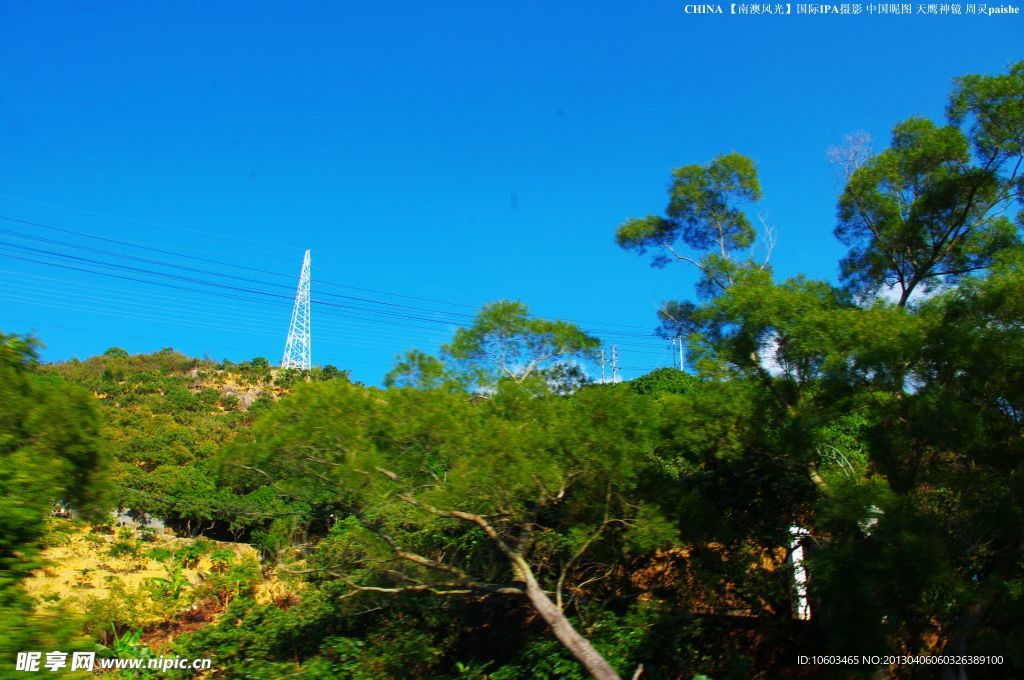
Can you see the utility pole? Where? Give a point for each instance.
(615, 364)
(297, 350)
(677, 342)
(602, 365)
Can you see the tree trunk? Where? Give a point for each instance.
(578, 645)
(970, 617)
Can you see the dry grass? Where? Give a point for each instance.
(80, 569)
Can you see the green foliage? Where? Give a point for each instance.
(706, 213)
(159, 554)
(164, 423)
(504, 341)
(655, 513)
(123, 548)
(289, 377)
(994, 108)
(231, 577)
(668, 642)
(377, 460)
(188, 554)
(544, 660)
(422, 371)
(260, 641)
(257, 371)
(229, 402)
(328, 372)
(890, 432)
(663, 381)
(127, 645)
(924, 212)
(49, 452)
(103, 616)
(166, 592)
(649, 531)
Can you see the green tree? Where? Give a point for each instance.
(516, 495)
(49, 452)
(891, 432)
(926, 211)
(504, 341)
(423, 371)
(706, 213)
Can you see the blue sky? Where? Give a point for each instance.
(434, 156)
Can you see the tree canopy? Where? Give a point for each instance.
(705, 213)
(512, 519)
(50, 452)
(934, 206)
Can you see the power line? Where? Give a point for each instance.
(203, 281)
(262, 301)
(187, 279)
(193, 309)
(263, 271)
(219, 263)
(164, 226)
(223, 289)
(191, 269)
(57, 302)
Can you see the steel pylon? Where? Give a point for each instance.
(297, 353)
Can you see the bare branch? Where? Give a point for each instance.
(695, 263)
(449, 588)
(313, 459)
(469, 517)
(768, 238)
(564, 572)
(387, 473)
(849, 156)
(254, 469)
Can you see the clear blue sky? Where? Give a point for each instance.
(459, 151)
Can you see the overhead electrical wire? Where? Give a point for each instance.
(330, 329)
(203, 282)
(242, 289)
(158, 283)
(61, 303)
(329, 326)
(368, 313)
(273, 273)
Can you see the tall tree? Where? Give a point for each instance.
(927, 211)
(516, 495)
(504, 342)
(706, 213)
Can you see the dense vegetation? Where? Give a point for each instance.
(491, 514)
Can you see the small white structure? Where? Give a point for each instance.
(801, 607)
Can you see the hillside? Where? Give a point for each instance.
(119, 580)
(164, 418)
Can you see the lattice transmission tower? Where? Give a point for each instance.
(297, 348)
